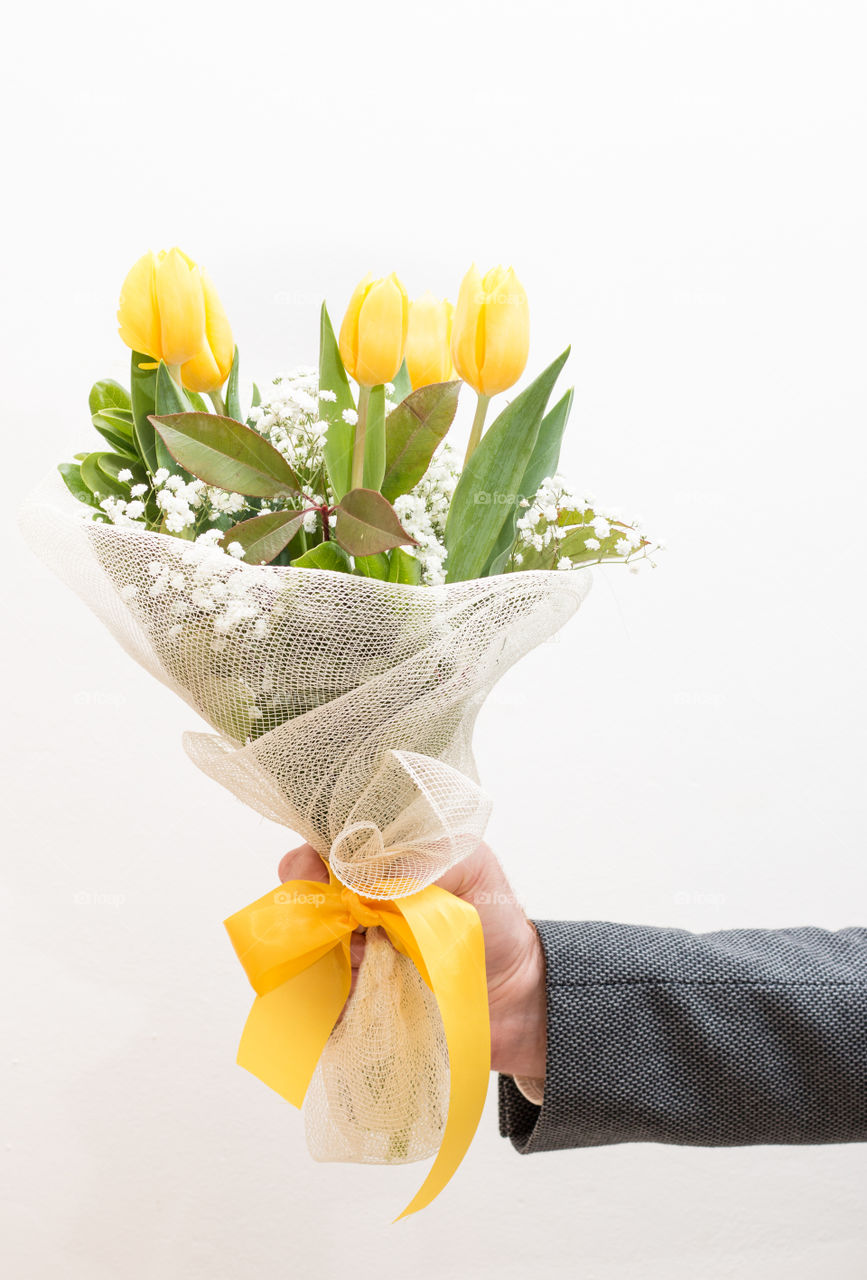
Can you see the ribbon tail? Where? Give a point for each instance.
(287, 1029)
(447, 935)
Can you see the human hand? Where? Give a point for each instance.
(514, 960)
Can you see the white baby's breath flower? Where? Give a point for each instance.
(124, 475)
(210, 538)
(350, 416)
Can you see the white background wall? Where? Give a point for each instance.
(681, 187)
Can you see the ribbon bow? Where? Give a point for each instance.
(294, 946)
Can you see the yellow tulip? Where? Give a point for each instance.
(428, 341)
(373, 333)
(170, 310)
(491, 330)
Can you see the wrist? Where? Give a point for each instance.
(519, 1015)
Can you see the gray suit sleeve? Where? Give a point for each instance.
(717, 1039)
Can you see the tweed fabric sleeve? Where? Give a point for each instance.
(718, 1039)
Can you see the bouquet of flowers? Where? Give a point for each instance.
(335, 591)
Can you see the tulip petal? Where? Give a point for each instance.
(218, 329)
(210, 368)
(506, 332)
(202, 373)
(137, 314)
(348, 340)
(428, 349)
(181, 305)
(465, 327)
(382, 327)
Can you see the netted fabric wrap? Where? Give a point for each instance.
(344, 709)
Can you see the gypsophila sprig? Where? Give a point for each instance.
(557, 530)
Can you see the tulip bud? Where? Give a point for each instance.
(208, 370)
(491, 330)
(169, 309)
(428, 341)
(373, 333)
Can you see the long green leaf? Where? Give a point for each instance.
(143, 384)
(413, 431)
(233, 397)
(403, 567)
(372, 566)
(374, 439)
(327, 555)
(170, 399)
(486, 492)
(402, 385)
(341, 434)
(543, 463)
(225, 453)
(367, 524)
(264, 537)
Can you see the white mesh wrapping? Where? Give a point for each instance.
(344, 709)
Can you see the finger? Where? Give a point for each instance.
(303, 863)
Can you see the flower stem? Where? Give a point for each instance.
(175, 371)
(358, 446)
(478, 423)
(217, 401)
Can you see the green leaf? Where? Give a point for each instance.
(196, 401)
(487, 490)
(413, 431)
(257, 396)
(543, 463)
(326, 556)
(170, 398)
(117, 430)
(225, 453)
(367, 523)
(100, 481)
(264, 537)
(402, 385)
(372, 566)
(374, 439)
(108, 394)
(233, 398)
(111, 464)
(71, 473)
(143, 384)
(341, 435)
(403, 567)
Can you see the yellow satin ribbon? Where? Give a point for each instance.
(294, 946)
